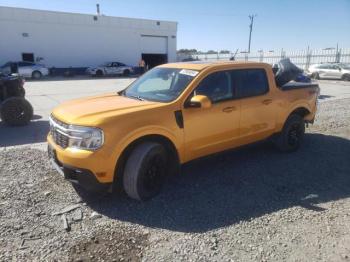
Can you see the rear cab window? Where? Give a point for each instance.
(233, 84)
(250, 82)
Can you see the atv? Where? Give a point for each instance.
(15, 110)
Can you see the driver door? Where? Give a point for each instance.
(214, 129)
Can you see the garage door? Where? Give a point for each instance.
(154, 44)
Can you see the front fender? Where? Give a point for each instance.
(146, 131)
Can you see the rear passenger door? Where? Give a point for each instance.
(334, 72)
(258, 108)
(111, 69)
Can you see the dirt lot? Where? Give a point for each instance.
(251, 204)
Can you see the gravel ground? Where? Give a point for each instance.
(251, 204)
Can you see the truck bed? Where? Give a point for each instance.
(298, 85)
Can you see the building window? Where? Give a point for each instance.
(158, 23)
(25, 34)
(28, 57)
(95, 18)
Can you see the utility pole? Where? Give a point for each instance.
(251, 17)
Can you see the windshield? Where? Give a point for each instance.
(161, 84)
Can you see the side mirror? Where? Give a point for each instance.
(199, 101)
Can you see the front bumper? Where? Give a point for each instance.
(77, 175)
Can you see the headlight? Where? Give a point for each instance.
(88, 138)
(81, 137)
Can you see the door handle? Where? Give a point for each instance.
(267, 101)
(229, 109)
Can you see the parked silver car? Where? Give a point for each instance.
(25, 69)
(330, 70)
(110, 68)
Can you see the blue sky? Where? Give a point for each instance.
(223, 24)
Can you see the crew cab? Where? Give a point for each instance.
(171, 115)
(110, 68)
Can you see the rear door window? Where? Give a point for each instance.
(250, 82)
(25, 64)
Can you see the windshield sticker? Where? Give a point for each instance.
(189, 72)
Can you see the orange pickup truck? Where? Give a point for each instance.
(173, 114)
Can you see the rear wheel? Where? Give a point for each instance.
(346, 77)
(16, 111)
(36, 75)
(292, 135)
(145, 171)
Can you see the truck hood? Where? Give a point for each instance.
(93, 110)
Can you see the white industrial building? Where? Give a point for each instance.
(59, 39)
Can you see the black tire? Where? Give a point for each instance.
(126, 72)
(346, 77)
(145, 171)
(16, 111)
(99, 73)
(292, 135)
(315, 76)
(36, 75)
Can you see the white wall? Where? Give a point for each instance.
(65, 39)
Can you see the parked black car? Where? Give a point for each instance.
(15, 110)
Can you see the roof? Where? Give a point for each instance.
(200, 65)
(9, 12)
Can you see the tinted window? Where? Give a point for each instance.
(250, 82)
(334, 67)
(324, 66)
(216, 86)
(121, 64)
(25, 64)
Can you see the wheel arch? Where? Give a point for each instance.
(126, 151)
(301, 109)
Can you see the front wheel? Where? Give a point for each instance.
(292, 135)
(99, 73)
(36, 75)
(126, 72)
(145, 171)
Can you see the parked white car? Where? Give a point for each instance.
(25, 69)
(329, 70)
(110, 68)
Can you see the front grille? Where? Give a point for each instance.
(57, 128)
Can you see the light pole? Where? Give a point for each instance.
(251, 17)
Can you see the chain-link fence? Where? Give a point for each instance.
(302, 59)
